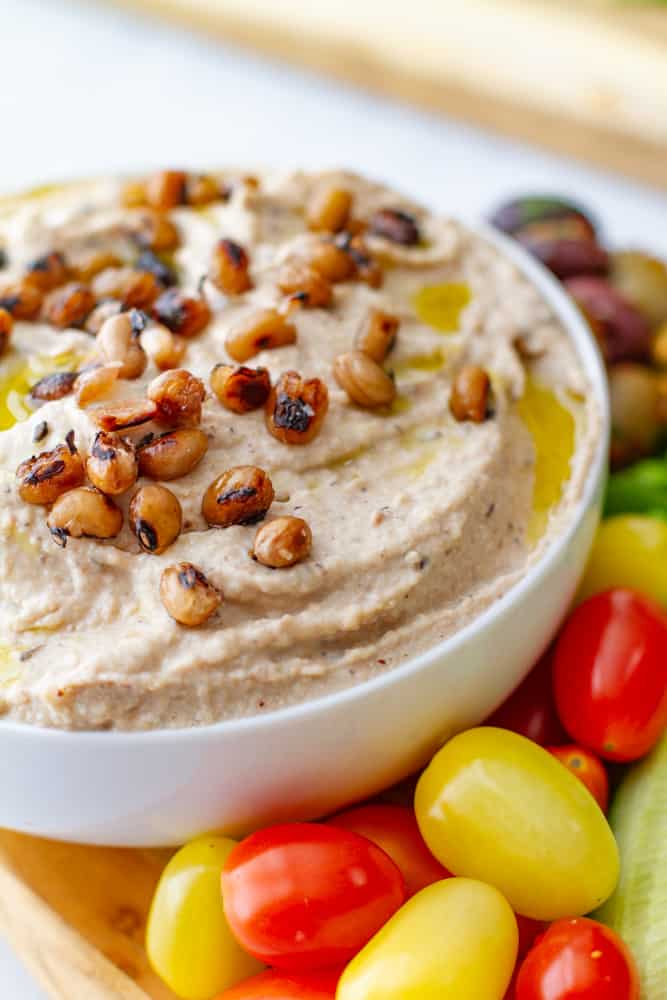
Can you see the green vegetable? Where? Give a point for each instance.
(640, 489)
(638, 908)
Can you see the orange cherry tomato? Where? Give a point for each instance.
(588, 768)
(395, 830)
(274, 985)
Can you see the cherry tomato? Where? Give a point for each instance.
(306, 896)
(494, 806)
(578, 960)
(188, 940)
(630, 551)
(529, 930)
(530, 709)
(610, 674)
(395, 830)
(456, 938)
(272, 985)
(585, 766)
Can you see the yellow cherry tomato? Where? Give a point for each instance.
(188, 940)
(495, 806)
(457, 938)
(630, 551)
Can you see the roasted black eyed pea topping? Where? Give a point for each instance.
(133, 289)
(165, 349)
(395, 225)
(241, 389)
(469, 399)
(48, 271)
(261, 330)
(84, 511)
(69, 305)
(229, 266)
(54, 386)
(21, 299)
(188, 597)
(282, 542)
(378, 334)
(296, 408)
(6, 325)
(178, 396)
(83, 266)
(123, 414)
(149, 261)
(172, 455)
(299, 280)
(241, 495)
(44, 477)
(166, 189)
(100, 314)
(112, 464)
(365, 382)
(95, 383)
(331, 261)
(202, 189)
(117, 344)
(184, 314)
(329, 208)
(155, 517)
(154, 231)
(366, 267)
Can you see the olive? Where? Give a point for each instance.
(634, 395)
(621, 330)
(519, 212)
(642, 280)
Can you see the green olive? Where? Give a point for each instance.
(635, 422)
(642, 279)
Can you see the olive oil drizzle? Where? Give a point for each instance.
(552, 426)
(440, 306)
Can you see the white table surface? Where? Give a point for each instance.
(85, 89)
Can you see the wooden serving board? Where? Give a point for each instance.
(76, 916)
(587, 78)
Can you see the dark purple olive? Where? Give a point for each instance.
(564, 246)
(519, 212)
(621, 330)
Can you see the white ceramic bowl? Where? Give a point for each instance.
(162, 787)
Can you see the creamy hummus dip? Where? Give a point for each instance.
(419, 520)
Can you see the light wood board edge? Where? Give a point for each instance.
(62, 962)
(72, 911)
(607, 148)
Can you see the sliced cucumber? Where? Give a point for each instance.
(638, 908)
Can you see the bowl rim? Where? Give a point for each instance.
(590, 357)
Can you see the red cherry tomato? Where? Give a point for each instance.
(395, 830)
(578, 960)
(273, 985)
(529, 931)
(610, 674)
(588, 768)
(530, 710)
(308, 896)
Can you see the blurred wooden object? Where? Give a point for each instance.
(587, 78)
(76, 916)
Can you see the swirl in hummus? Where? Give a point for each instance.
(415, 497)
